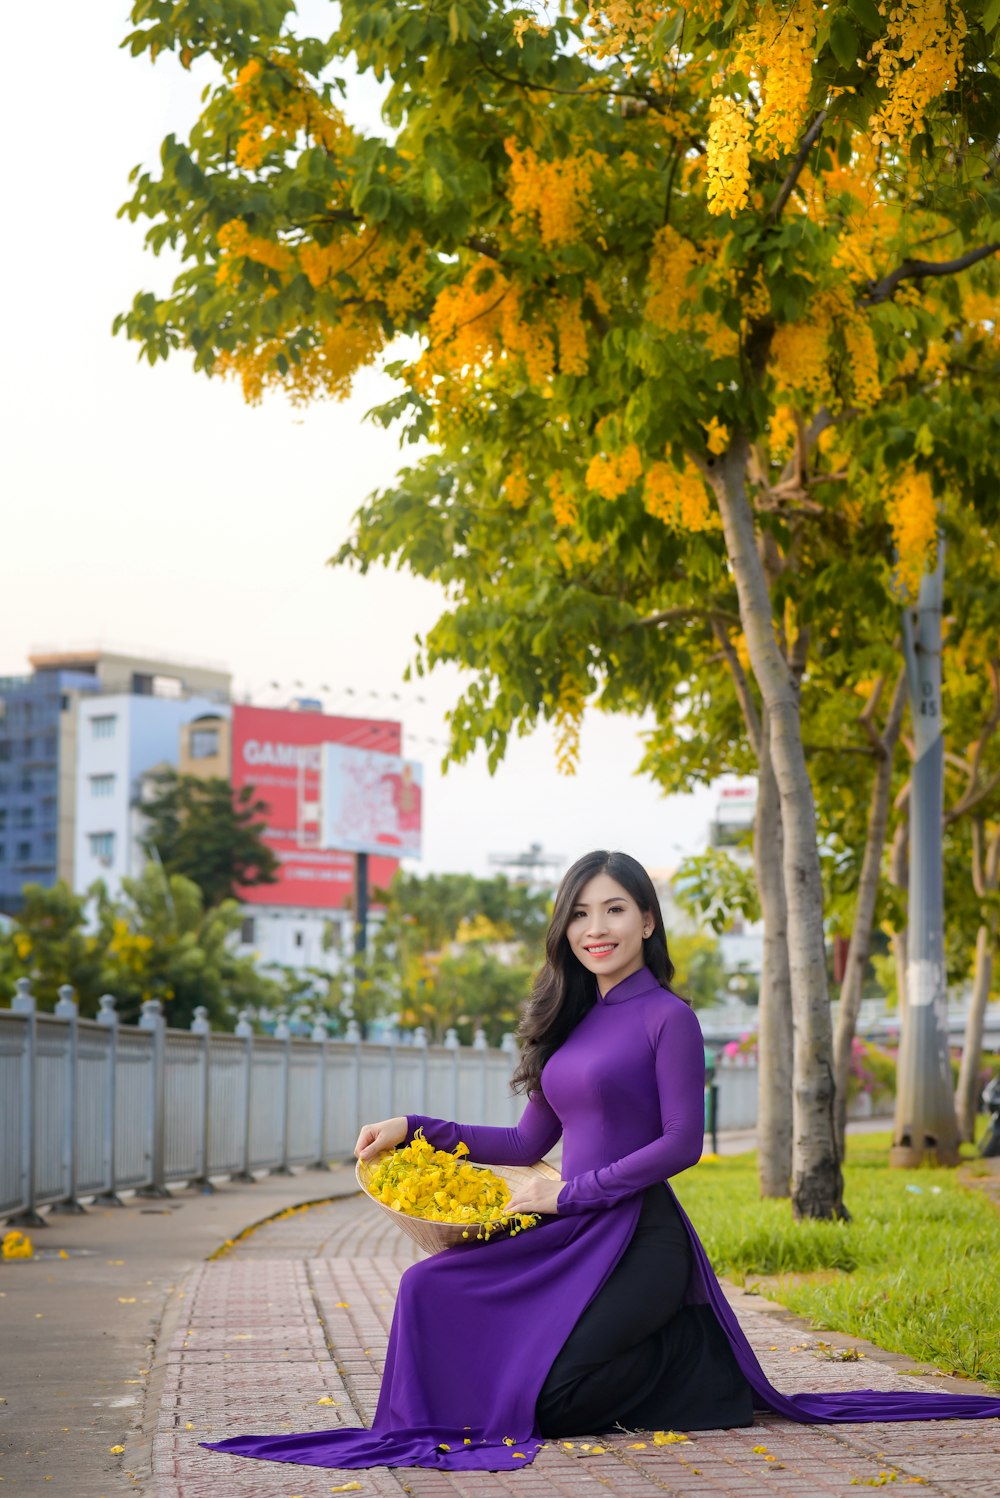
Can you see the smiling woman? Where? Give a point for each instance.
(606, 1315)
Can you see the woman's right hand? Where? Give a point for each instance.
(374, 1138)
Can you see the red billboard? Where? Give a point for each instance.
(277, 751)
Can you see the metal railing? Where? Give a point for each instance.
(89, 1108)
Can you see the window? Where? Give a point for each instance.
(248, 930)
(3, 853)
(5, 751)
(48, 810)
(298, 938)
(3, 818)
(28, 748)
(103, 726)
(204, 743)
(102, 785)
(23, 852)
(27, 782)
(49, 746)
(49, 845)
(26, 816)
(102, 846)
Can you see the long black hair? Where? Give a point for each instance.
(564, 990)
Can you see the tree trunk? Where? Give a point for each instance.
(817, 1183)
(864, 913)
(925, 1126)
(967, 1092)
(774, 1012)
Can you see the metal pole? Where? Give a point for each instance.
(200, 1026)
(925, 1125)
(244, 1029)
(320, 1037)
(152, 1019)
(23, 1003)
(479, 1044)
(67, 1009)
(420, 1041)
(106, 1016)
(282, 1032)
(451, 1041)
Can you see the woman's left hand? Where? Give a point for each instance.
(538, 1195)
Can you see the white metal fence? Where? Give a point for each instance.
(92, 1107)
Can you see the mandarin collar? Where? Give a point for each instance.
(641, 981)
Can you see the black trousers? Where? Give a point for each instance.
(639, 1359)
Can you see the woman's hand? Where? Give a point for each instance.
(374, 1138)
(538, 1195)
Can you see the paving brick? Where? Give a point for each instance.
(300, 1310)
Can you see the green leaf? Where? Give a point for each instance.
(867, 13)
(991, 15)
(843, 40)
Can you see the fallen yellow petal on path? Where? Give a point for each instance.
(668, 1438)
(116, 1450)
(327, 1400)
(346, 1487)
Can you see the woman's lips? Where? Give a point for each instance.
(604, 951)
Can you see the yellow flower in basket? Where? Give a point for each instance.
(420, 1181)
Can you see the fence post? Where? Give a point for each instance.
(152, 1019)
(508, 1044)
(67, 1009)
(23, 1003)
(244, 1029)
(390, 1041)
(283, 1033)
(479, 1044)
(200, 1026)
(451, 1041)
(353, 1035)
(420, 1040)
(321, 1038)
(106, 1016)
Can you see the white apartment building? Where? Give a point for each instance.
(119, 738)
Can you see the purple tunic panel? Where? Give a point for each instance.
(477, 1327)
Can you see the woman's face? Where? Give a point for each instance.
(606, 930)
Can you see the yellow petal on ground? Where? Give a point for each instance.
(327, 1400)
(668, 1438)
(346, 1487)
(189, 1425)
(637, 1446)
(758, 1449)
(341, 1304)
(63, 1255)
(116, 1450)
(127, 1300)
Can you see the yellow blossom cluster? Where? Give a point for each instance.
(15, 1245)
(728, 156)
(440, 1186)
(237, 243)
(913, 516)
(549, 195)
(572, 336)
(277, 106)
(568, 720)
(781, 432)
(130, 947)
(716, 436)
(611, 474)
(326, 368)
(564, 506)
(917, 59)
(678, 498)
(799, 356)
(859, 341)
(516, 489)
(780, 50)
(671, 262)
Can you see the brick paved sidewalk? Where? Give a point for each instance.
(288, 1330)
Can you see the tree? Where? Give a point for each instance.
(630, 265)
(48, 944)
(199, 828)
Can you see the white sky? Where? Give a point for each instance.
(153, 509)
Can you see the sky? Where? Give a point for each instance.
(152, 509)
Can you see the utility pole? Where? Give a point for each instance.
(925, 1127)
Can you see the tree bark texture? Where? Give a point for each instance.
(925, 1126)
(774, 1011)
(864, 913)
(817, 1182)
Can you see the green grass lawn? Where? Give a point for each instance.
(916, 1271)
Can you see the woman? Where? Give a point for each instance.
(606, 1314)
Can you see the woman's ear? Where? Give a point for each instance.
(648, 925)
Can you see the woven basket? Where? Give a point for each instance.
(434, 1236)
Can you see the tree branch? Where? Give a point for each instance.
(667, 616)
(748, 707)
(788, 186)
(916, 270)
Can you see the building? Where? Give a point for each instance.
(38, 750)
